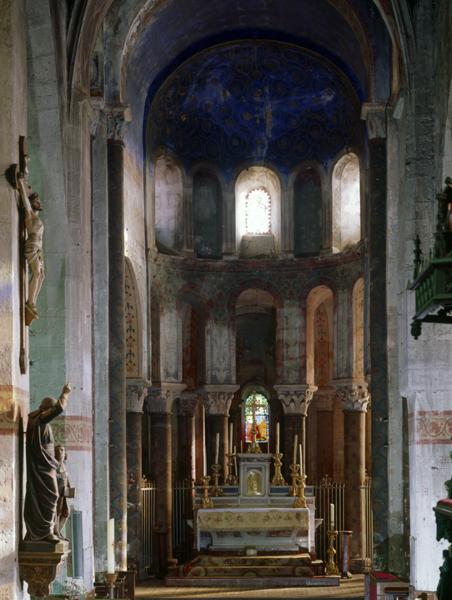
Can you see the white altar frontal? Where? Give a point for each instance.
(255, 515)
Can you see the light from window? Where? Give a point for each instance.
(258, 403)
(258, 212)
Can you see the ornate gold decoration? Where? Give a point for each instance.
(294, 473)
(331, 566)
(228, 520)
(232, 479)
(206, 501)
(300, 500)
(278, 478)
(216, 489)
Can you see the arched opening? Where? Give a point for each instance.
(207, 215)
(346, 203)
(258, 201)
(168, 205)
(256, 414)
(307, 206)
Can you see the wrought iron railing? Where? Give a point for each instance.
(148, 495)
(183, 496)
(328, 492)
(366, 498)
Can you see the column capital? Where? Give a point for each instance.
(374, 114)
(160, 399)
(353, 394)
(187, 403)
(218, 398)
(295, 398)
(96, 112)
(136, 390)
(117, 118)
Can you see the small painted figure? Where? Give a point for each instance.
(41, 497)
(64, 490)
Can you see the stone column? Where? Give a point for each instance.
(159, 404)
(355, 398)
(217, 402)
(186, 451)
(136, 392)
(116, 347)
(325, 446)
(295, 400)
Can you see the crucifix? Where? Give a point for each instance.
(254, 447)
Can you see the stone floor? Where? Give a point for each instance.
(348, 590)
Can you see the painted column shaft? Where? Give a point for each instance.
(186, 448)
(118, 468)
(134, 472)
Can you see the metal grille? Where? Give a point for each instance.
(328, 492)
(366, 498)
(148, 492)
(183, 495)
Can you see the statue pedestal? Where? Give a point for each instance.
(39, 563)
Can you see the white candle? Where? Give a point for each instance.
(332, 517)
(301, 458)
(111, 546)
(295, 444)
(204, 459)
(217, 447)
(231, 436)
(277, 438)
(235, 461)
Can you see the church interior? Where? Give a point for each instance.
(225, 297)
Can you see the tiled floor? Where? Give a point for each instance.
(348, 590)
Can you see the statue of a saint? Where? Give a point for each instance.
(64, 491)
(31, 203)
(41, 498)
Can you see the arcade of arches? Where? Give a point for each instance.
(230, 196)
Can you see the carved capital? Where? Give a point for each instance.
(161, 399)
(218, 398)
(136, 391)
(117, 119)
(295, 398)
(187, 403)
(375, 116)
(39, 563)
(353, 395)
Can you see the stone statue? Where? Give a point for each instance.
(64, 491)
(31, 203)
(41, 498)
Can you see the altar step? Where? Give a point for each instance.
(252, 571)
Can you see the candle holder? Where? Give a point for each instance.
(216, 489)
(331, 566)
(294, 473)
(111, 580)
(231, 478)
(278, 478)
(300, 500)
(206, 501)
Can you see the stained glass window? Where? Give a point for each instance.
(261, 407)
(258, 212)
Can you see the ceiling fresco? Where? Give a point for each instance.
(255, 102)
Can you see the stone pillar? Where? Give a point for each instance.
(159, 404)
(326, 446)
(136, 392)
(295, 400)
(355, 398)
(116, 347)
(186, 451)
(217, 402)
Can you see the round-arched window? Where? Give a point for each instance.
(258, 212)
(256, 407)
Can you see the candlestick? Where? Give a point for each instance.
(277, 438)
(111, 546)
(294, 473)
(217, 447)
(278, 478)
(111, 580)
(232, 478)
(300, 500)
(206, 501)
(231, 436)
(216, 489)
(331, 566)
(295, 444)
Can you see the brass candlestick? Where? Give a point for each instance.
(232, 478)
(216, 489)
(111, 580)
(206, 501)
(331, 566)
(294, 473)
(300, 500)
(278, 478)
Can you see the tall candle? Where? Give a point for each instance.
(332, 527)
(204, 459)
(277, 438)
(231, 436)
(295, 444)
(235, 460)
(111, 546)
(217, 447)
(301, 458)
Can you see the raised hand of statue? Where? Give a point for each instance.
(66, 389)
